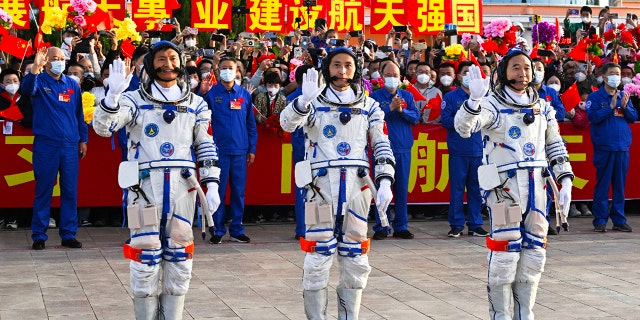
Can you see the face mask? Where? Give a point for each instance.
(57, 67)
(88, 74)
(206, 74)
(586, 20)
(375, 75)
(283, 75)
(190, 43)
(12, 88)
(273, 91)
(423, 78)
(227, 75)
(105, 82)
(625, 80)
(599, 79)
(465, 81)
(193, 83)
(431, 83)
(446, 80)
(613, 81)
(68, 40)
(405, 46)
(76, 79)
(580, 76)
(391, 82)
(365, 71)
(582, 105)
(539, 76)
(555, 87)
(238, 81)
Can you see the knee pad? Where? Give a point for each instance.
(144, 279)
(502, 267)
(176, 277)
(316, 271)
(355, 227)
(531, 265)
(354, 272)
(181, 233)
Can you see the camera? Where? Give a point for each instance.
(574, 11)
(297, 52)
(270, 35)
(250, 43)
(85, 45)
(385, 48)
(400, 28)
(450, 30)
(304, 42)
(217, 37)
(305, 33)
(103, 33)
(287, 40)
(355, 33)
(169, 20)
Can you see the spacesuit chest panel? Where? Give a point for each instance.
(161, 140)
(515, 144)
(335, 140)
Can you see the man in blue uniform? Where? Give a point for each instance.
(401, 114)
(465, 156)
(610, 113)
(235, 134)
(61, 137)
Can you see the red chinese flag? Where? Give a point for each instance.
(435, 104)
(15, 46)
(473, 59)
(127, 48)
(571, 97)
(534, 52)
(115, 8)
(594, 88)
(99, 20)
(417, 96)
(558, 35)
(12, 113)
(616, 59)
(579, 51)
(38, 41)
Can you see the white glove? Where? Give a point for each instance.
(564, 198)
(478, 86)
(118, 82)
(213, 198)
(310, 89)
(384, 195)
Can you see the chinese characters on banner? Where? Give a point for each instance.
(207, 15)
(345, 15)
(147, 13)
(387, 13)
(307, 15)
(117, 8)
(265, 16)
(19, 11)
(430, 16)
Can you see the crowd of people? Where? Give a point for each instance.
(349, 103)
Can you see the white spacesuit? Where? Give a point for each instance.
(166, 126)
(521, 140)
(337, 124)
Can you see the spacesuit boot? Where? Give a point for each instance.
(315, 304)
(500, 301)
(349, 303)
(525, 298)
(145, 308)
(171, 307)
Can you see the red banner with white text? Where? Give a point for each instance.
(270, 178)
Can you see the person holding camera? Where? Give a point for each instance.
(522, 141)
(582, 29)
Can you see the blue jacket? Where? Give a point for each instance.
(398, 124)
(297, 137)
(610, 132)
(234, 131)
(551, 96)
(459, 146)
(54, 119)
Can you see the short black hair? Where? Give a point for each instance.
(301, 70)
(139, 52)
(608, 66)
(271, 77)
(586, 9)
(75, 64)
(465, 63)
(7, 72)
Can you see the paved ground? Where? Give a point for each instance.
(587, 276)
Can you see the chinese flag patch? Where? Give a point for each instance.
(384, 129)
(210, 129)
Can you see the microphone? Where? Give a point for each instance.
(512, 82)
(334, 78)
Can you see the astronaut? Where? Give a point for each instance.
(521, 139)
(337, 120)
(166, 126)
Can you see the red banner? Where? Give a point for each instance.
(117, 8)
(270, 178)
(430, 16)
(307, 15)
(387, 13)
(346, 15)
(19, 12)
(265, 16)
(147, 13)
(208, 15)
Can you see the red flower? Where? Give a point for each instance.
(626, 37)
(609, 35)
(622, 26)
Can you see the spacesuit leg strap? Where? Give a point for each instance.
(504, 245)
(353, 249)
(349, 303)
(315, 304)
(178, 254)
(145, 308)
(326, 248)
(171, 307)
(148, 257)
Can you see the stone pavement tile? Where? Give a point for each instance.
(74, 308)
(214, 309)
(20, 302)
(24, 314)
(120, 311)
(55, 294)
(263, 313)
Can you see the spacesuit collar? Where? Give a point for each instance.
(510, 99)
(146, 93)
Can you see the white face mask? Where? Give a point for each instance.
(105, 82)
(190, 43)
(238, 81)
(375, 75)
(283, 76)
(539, 76)
(613, 81)
(273, 91)
(465, 81)
(405, 46)
(76, 79)
(625, 80)
(193, 83)
(365, 71)
(555, 87)
(67, 41)
(227, 75)
(599, 79)
(446, 80)
(582, 105)
(586, 20)
(391, 82)
(423, 78)
(12, 88)
(580, 76)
